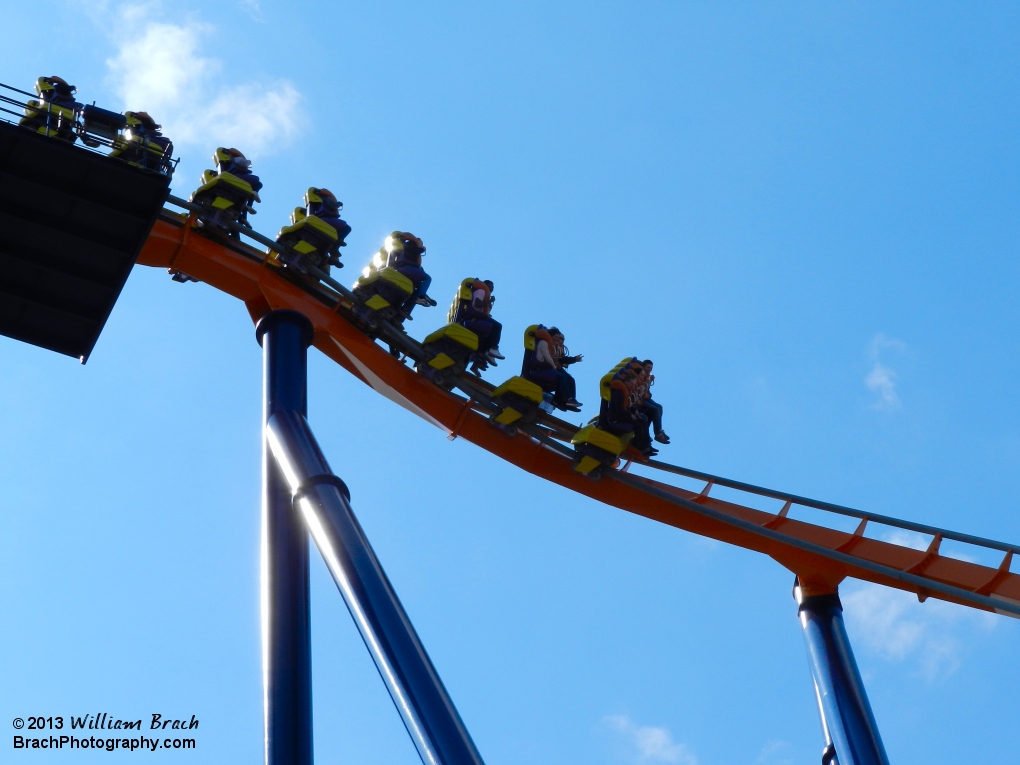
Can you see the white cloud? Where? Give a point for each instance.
(881, 380)
(892, 625)
(254, 9)
(651, 744)
(904, 538)
(160, 68)
(917, 541)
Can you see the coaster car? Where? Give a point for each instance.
(596, 449)
(308, 240)
(382, 289)
(520, 401)
(448, 351)
(138, 144)
(224, 197)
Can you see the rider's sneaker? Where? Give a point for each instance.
(661, 437)
(425, 300)
(494, 353)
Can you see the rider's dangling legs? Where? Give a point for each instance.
(489, 332)
(421, 281)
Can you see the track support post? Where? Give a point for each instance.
(286, 626)
(851, 733)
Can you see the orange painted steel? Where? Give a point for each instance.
(241, 271)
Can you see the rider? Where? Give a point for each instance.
(405, 256)
(618, 415)
(236, 164)
(477, 316)
(548, 369)
(143, 143)
(59, 92)
(315, 235)
(59, 95)
(328, 211)
(651, 409)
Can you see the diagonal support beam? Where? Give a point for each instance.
(414, 685)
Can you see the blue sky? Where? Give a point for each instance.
(806, 213)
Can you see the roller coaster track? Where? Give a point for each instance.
(820, 556)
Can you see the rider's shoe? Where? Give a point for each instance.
(661, 437)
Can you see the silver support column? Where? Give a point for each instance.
(414, 685)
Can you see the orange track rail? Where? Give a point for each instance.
(241, 272)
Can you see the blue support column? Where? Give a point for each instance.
(286, 634)
(851, 734)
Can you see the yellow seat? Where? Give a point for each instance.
(607, 379)
(395, 287)
(453, 344)
(211, 179)
(397, 279)
(457, 333)
(597, 447)
(602, 439)
(40, 110)
(464, 295)
(311, 222)
(391, 276)
(513, 396)
(520, 386)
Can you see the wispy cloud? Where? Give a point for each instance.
(254, 9)
(893, 626)
(905, 538)
(160, 67)
(881, 380)
(651, 744)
